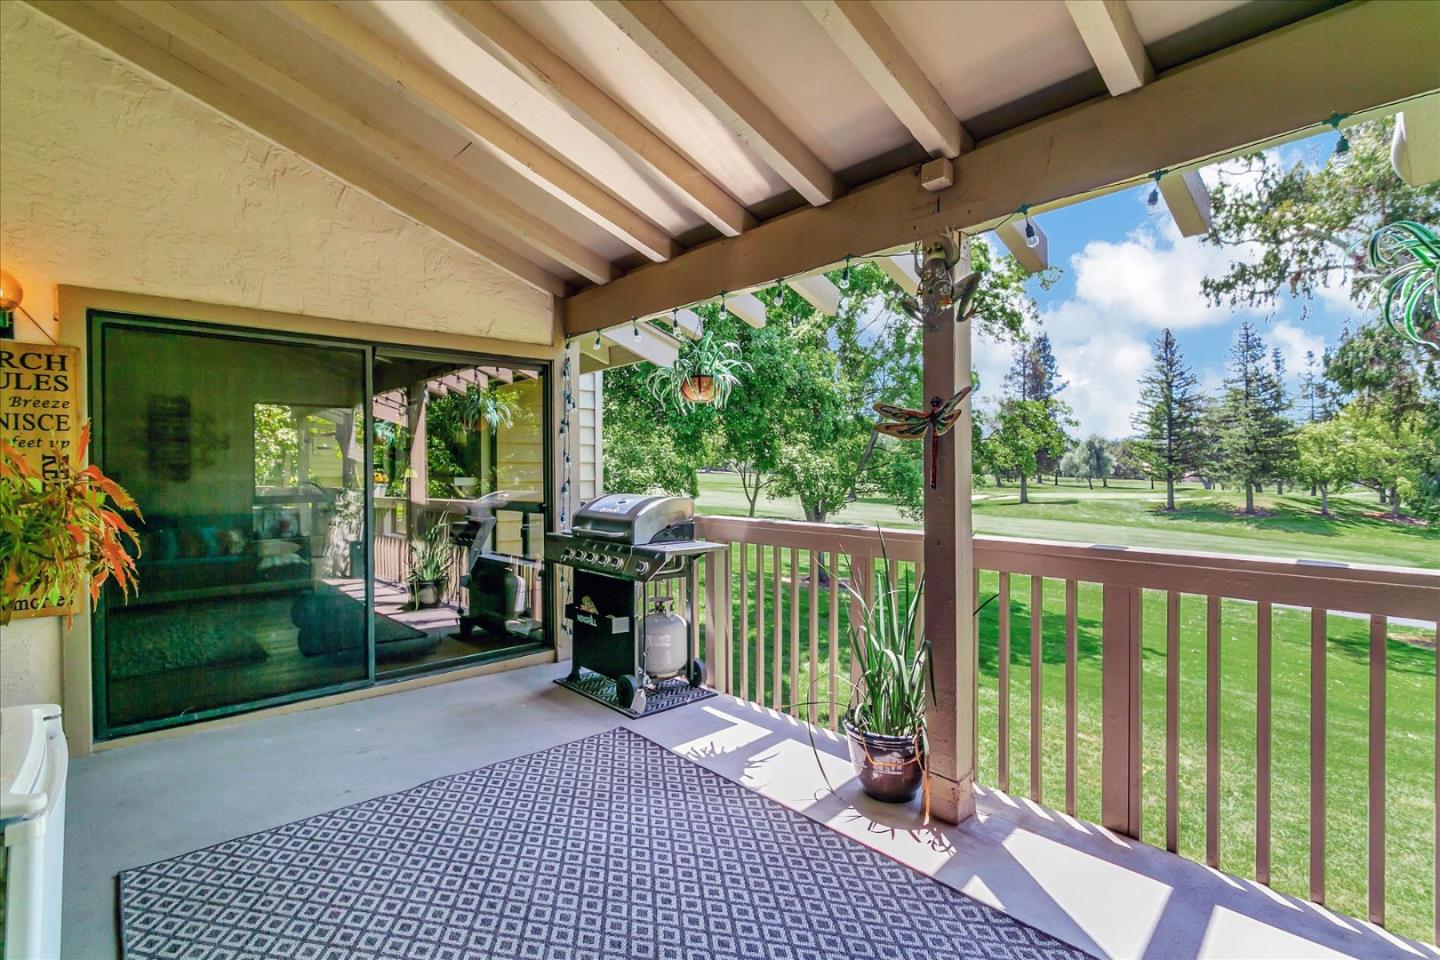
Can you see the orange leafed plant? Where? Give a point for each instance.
(60, 534)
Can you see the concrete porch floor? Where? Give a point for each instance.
(1107, 895)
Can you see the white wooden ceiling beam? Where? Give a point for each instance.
(1114, 44)
(1269, 90)
(651, 344)
(901, 269)
(542, 68)
(1188, 199)
(1415, 148)
(1012, 234)
(242, 109)
(216, 50)
(819, 292)
(747, 307)
(458, 110)
(867, 41)
(667, 41)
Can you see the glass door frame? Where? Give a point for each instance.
(97, 320)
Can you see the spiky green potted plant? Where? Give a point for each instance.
(430, 560)
(704, 372)
(885, 719)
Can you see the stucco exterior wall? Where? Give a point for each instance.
(112, 179)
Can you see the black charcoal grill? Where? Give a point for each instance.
(626, 549)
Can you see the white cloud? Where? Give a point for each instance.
(1293, 343)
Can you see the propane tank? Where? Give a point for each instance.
(666, 649)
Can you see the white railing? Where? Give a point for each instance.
(775, 634)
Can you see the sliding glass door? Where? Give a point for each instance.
(247, 458)
(459, 510)
(272, 473)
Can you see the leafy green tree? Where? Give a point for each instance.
(1304, 224)
(1090, 459)
(1384, 452)
(1024, 429)
(647, 448)
(1035, 375)
(1168, 437)
(1254, 432)
(1326, 458)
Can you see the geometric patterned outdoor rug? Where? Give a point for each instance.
(608, 847)
(667, 694)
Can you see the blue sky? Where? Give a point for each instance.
(1126, 274)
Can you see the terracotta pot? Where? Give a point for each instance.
(889, 767)
(698, 389)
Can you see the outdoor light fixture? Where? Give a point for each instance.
(845, 274)
(597, 339)
(1032, 239)
(780, 292)
(1153, 201)
(1340, 159)
(11, 293)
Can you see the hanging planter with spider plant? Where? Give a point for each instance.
(704, 373)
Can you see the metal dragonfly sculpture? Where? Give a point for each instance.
(915, 424)
(1409, 254)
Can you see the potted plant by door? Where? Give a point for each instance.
(61, 534)
(885, 720)
(430, 560)
(704, 372)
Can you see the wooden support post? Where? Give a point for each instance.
(418, 488)
(949, 552)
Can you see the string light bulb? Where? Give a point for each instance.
(635, 326)
(845, 274)
(1340, 159)
(1032, 239)
(597, 339)
(724, 311)
(1153, 200)
(780, 292)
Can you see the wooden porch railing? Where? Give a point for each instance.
(757, 648)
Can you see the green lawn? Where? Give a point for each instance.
(1127, 515)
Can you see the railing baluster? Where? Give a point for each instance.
(1435, 938)
(1037, 611)
(744, 640)
(794, 629)
(1071, 656)
(833, 625)
(1172, 721)
(1212, 731)
(1378, 639)
(1262, 741)
(777, 658)
(813, 661)
(759, 624)
(1318, 626)
(728, 617)
(712, 611)
(1004, 663)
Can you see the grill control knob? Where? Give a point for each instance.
(641, 566)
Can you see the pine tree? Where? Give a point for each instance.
(1255, 434)
(1034, 375)
(1279, 425)
(1168, 429)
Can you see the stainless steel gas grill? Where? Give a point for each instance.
(626, 550)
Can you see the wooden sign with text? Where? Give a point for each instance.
(40, 416)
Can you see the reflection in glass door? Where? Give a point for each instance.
(247, 458)
(459, 510)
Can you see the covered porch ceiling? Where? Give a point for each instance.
(632, 156)
(627, 157)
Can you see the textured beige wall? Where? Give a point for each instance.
(111, 179)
